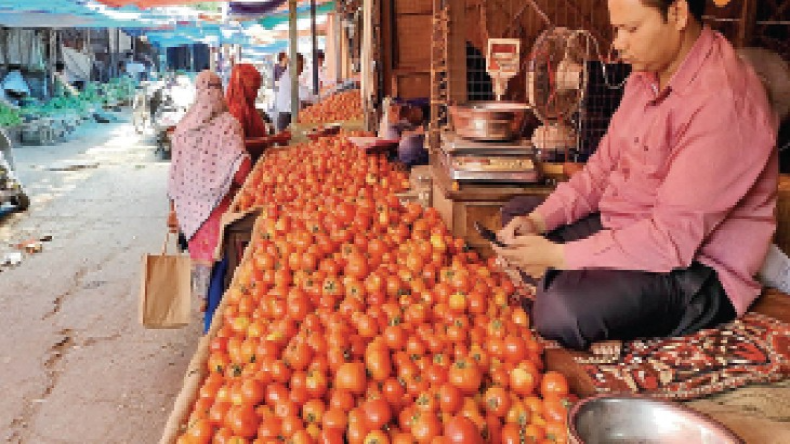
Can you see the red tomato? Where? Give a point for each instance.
(465, 375)
(351, 376)
(243, 420)
(497, 401)
(450, 398)
(377, 413)
(461, 430)
(378, 362)
(553, 384)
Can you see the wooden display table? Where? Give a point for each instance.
(782, 238)
(462, 204)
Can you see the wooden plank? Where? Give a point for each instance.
(412, 85)
(562, 360)
(481, 192)
(413, 7)
(773, 303)
(456, 54)
(413, 40)
(782, 236)
(748, 18)
(387, 44)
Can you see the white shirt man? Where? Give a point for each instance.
(282, 101)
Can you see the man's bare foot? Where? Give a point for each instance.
(609, 349)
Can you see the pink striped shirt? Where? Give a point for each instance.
(687, 174)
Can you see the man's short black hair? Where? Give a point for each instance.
(696, 7)
(320, 54)
(281, 56)
(59, 66)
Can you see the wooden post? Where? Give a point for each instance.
(293, 35)
(4, 47)
(456, 54)
(89, 47)
(113, 58)
(50, 78)
(314, 47)
(338, 47)
(748, 18)
(366, 60)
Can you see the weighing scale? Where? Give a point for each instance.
(496, 162)
(500, 161)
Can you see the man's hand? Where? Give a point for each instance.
(518, 226)
(533, 254)
(172, 222)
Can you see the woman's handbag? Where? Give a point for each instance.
(166, 290)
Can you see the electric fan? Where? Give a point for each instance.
(556, 81)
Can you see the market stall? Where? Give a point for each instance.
(351, 252)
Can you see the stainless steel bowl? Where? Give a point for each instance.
(613, 419)
(489, 120)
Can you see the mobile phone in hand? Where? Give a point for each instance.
(488, 235)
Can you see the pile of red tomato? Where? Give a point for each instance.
(357, 319)
(338, 107)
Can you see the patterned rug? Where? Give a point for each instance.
(753, 349)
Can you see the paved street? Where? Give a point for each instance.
(75, 365)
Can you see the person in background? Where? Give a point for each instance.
(404, 122)
(209, 163)
(245, 81)
(63, 84)
(324, 82)
(279, 68)
(134, 68)
(664, 229)
(411, 148)
(282, 100)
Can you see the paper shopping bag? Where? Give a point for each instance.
(165, 291)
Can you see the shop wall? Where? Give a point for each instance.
(406, 36)
(180, 57)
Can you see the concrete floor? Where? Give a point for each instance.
(75, 365)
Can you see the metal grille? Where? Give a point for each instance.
(521, 21)
(601, 99)
(439, 66)
(485, 19)
(478, 82)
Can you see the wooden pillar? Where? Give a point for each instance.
(456, 53)
(52, 41)
(89, 49)
(387, 49)
(748, 18)
(338, 36)
(293, 35)
(112, 72)
(4, 47)
(314, 46)
(366, 61)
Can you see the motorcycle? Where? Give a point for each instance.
(144, 105)
(11, 191)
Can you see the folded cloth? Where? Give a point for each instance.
(775, 272)
(215, 291)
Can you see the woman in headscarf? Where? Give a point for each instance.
(209, 162)
(245, 81)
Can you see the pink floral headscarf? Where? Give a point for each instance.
(208, 148)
